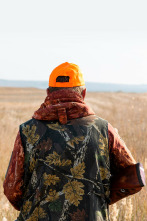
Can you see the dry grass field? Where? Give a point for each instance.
(126, 112)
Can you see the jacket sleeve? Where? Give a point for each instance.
(127, 177)
(13, 183)
(120, 156)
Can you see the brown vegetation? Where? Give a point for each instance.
(126, 112)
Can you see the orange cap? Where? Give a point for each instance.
(67, 69)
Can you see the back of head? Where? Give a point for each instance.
(67, 76)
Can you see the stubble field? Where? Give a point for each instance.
(126, 112)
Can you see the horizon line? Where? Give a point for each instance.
(144, 84)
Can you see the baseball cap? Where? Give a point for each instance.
(70, 70)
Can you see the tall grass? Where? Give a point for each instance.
(126, 112)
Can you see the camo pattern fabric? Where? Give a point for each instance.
(66, 170)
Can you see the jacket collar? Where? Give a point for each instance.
(63, 105)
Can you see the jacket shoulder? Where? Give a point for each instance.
(101, 122)
(28, 122)
(36, 126)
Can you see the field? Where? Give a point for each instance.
(125, 111)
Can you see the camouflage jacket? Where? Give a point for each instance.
(67, 170)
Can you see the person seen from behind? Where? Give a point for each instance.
(67, 163)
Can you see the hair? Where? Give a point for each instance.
(78, 89)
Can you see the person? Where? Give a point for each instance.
(68, 163)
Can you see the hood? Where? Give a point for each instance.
(63, 105)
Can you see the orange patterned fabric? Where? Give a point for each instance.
(63, 105)
(120, 156)
(14, 178)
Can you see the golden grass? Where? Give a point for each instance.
(126, 112)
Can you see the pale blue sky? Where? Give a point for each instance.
(107, 39)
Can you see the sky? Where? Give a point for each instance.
(107, 39)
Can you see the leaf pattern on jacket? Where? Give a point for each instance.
(26, 208)
(65, 163)
(104, 173)
(52, 196)
(73, 192)
(45, 145)
(78, 215)
(103, 145)
(50, 179)
(78, 170)
(75, 140)
(38, 213)
(29, 132)
(56, 126)
(32, 164)
(55, 159)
